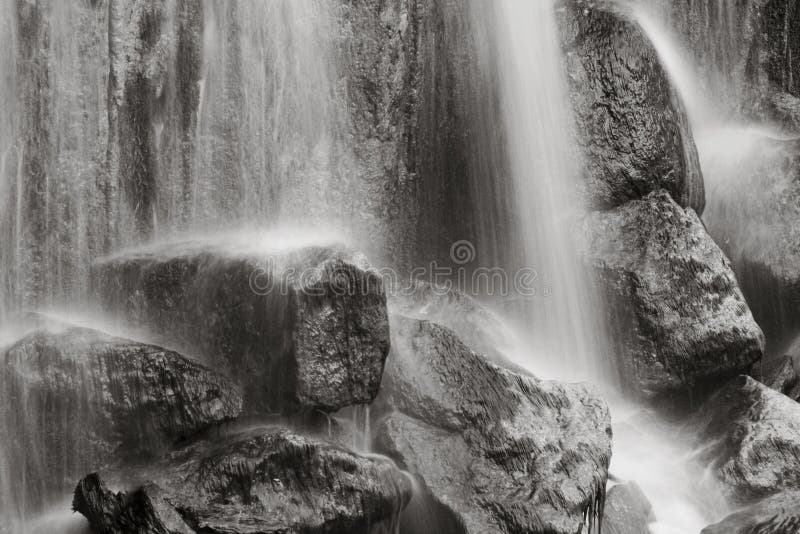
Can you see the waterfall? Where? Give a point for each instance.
(564, 317)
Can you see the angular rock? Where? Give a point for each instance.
(779, 514)
(632, 125)
(679, 318)
(627, 510)
(266, 480)
(296, 327)
(506, 453)
(76, 400)
(751, 438)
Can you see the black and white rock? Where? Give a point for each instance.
(266, 480)
(632, 124)
(75, 400)
(297, 327)
(750, 435)
(779, 514)
(785, 378)
(679, 317)
(506, 453)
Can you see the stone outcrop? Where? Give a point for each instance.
(779, 514)
(632, 125)
(679, 318)
(480, 437)
(267, 480)
(76, 400)
(627, 510)
(297, 327)
(751, 438)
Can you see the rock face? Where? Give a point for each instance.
(680, 319)
(632, 125)
(75, 400)
(627, 510)
(779, 514)
(266, 480)
(754, 434)
(480, 437)
(303, 327)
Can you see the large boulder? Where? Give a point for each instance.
(266, 480)
(295, 326)
(504, 452)
(680, 320)
(75, 400)
(750, 436)
(779, 514)
(633, 128)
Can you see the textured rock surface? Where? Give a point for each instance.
(481, 437)
(267, 480)
(679, 317)
(779, 514)
(627, 510)
(297, 327)
(632, 125)
(751, 435)
(75, 400)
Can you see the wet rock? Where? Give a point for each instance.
(627, 510)
(632, 124)
(75, 400)
(505, 453)
(751, 438)
(266, 480)
(779, 514)
(680, 320)
(297, 327)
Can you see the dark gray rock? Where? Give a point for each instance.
(75, 400)
(679, 318)
(627, 510)
(750, 436)
(266, 480)
(506, 453)
(296, 327)
(779, 514)
(632, 124)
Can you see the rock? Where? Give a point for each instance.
(786, 377)
(779, 514)
(506, 453)
(632, 125)
(76, 400)
(680, 320)
(266, 480)
(296, 327)
(627, 510)
(750, 436)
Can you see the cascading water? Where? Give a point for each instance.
(564, 316)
